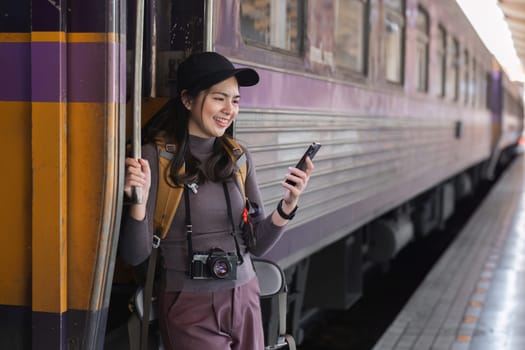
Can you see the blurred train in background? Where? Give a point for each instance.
(411, 108)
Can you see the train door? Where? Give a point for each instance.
(172, 29)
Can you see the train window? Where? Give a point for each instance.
(489, 94)
(453, 70)
(350, 48)
(394, 38)
(483, 86)
(510, 104)
(466, 77)
(441, 76)
(422, 26)
(273, 23)
(473, 87)
(507, 102)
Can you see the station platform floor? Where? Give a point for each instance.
(474, 296)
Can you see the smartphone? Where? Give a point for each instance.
(310, 152)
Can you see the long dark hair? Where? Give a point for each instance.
(171, 126)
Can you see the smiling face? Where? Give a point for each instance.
(214, 109)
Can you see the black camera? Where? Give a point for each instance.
(214, 264)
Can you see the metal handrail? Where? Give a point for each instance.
(137, 93)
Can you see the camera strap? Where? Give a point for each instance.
(189, 226)
(230, 214)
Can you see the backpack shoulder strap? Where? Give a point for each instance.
(168, 196)
(237, 154)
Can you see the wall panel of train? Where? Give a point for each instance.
(379, 150)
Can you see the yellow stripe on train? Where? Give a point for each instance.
(58, 37)
(55, 207)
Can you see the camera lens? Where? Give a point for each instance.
(221, 268)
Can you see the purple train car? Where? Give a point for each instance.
(411, 108)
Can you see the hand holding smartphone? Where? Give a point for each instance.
(310, 152)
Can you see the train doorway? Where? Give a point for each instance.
(170, 30)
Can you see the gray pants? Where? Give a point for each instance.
(223, 320)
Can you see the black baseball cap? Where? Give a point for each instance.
(202, 70)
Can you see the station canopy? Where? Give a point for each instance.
(514, 12)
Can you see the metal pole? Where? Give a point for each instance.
(208, 39)
(153, 37)
(137, 92)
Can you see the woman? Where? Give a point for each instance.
(206, 310)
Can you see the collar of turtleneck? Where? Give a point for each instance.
(201, 147)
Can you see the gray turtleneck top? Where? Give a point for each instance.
(211, 226)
